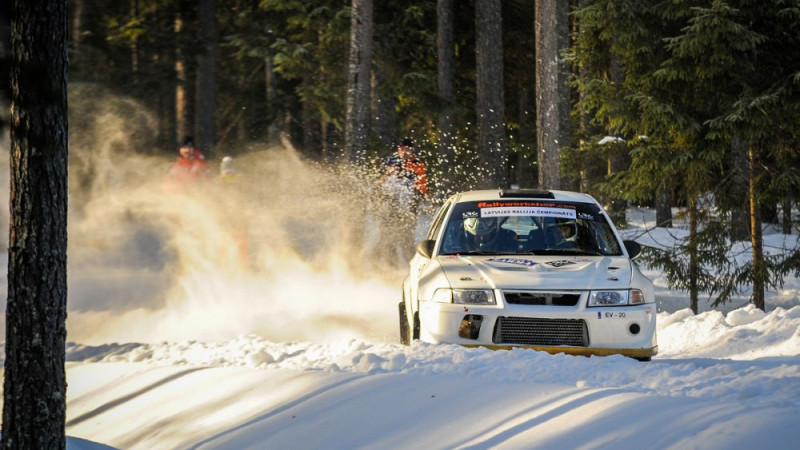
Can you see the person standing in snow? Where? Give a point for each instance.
(405, 176)
(227, 171)
(190, 165)
(405, 185)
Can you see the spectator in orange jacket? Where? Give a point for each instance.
(405, 185)
(409, 169)
(190, 165)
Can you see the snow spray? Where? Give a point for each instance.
(279, 247)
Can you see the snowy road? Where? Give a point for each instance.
(252, 393)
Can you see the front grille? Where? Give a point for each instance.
(541, 298)
(536, 331)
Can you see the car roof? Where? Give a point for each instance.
(523, 194)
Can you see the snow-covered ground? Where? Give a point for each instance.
(292, 350)
(726, 381)
(719, 382)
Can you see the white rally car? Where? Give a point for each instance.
(528, 268)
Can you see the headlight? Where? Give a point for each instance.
(473, 296)
(464, 296)
(616, 298)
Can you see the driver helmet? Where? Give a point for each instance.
(564, 228)
(484, 229)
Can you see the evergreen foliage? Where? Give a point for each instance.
(682, 88)
(698, 76)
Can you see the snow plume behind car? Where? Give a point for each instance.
(284, 251)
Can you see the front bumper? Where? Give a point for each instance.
(624, 330)
(582, 351)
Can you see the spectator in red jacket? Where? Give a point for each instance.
(190, 165)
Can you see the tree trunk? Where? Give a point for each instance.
(312, 133)
(759, 266)
(769, 212)
(489, 92)
(552, 92)
(590, 171)
(617, 158)
(738, 192)
(525, 172)
(184, 92)
(80, 18)
(445, 71)
(616, 205)
(786, 216)
(358, 81)
(664, 206)
(134, 45)
(694, 271)
(206, 92)
(35, 386)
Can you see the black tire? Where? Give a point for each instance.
(405, 330)
(415, 334)
(643, 358)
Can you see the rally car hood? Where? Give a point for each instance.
(536, 272)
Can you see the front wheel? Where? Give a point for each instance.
(405, 329)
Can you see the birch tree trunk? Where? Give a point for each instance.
(358, 81)
(490, 96)
(552, 92)
(34, 395)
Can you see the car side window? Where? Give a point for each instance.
(437, 221)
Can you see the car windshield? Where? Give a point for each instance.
(521, 227)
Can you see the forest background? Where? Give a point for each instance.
(671, 104)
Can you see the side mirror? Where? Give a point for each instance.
(425, 248)
(633, 248)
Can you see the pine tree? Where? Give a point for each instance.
(698, 80)
(552, 91)
(34, 390)
(490, 107)
(205, 123)
(358, 85)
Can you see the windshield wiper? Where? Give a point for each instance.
(567, 251)
(470, 252)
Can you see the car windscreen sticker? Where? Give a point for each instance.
(539, 211)
(519, 262)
